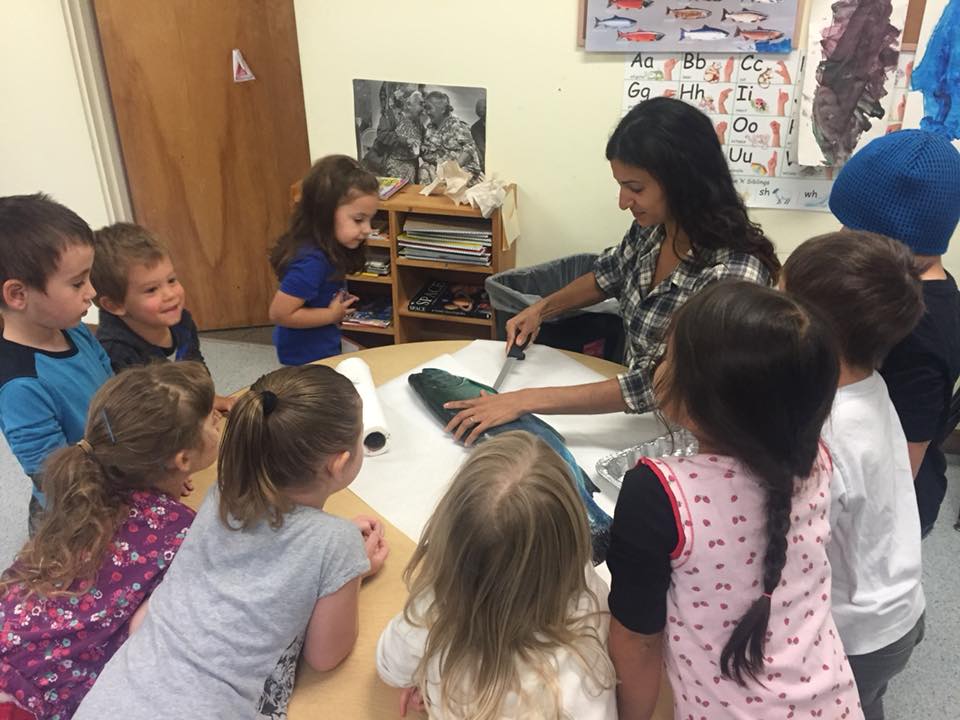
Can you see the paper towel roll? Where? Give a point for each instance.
(376, 436)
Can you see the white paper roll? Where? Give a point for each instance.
(376, 436)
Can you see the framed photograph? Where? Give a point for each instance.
(405, 129)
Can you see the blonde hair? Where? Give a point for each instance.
(496, 579)
(116, 248)
(137, 421)
(277, 436)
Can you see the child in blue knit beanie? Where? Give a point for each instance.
(906, 185)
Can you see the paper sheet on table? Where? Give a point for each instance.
(405, 484)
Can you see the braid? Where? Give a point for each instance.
(743, 654)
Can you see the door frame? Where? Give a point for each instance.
(81, 26)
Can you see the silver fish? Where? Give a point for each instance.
(704, 33)
(743, 16)
(614, 22)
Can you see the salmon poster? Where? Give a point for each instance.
(651, 26)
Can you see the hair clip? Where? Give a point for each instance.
(269, 400)
(106, 421)
(768, 596)
(85, 445)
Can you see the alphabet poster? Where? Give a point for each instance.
(690, 25)
(753, 101)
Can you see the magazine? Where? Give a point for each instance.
(443, 298)
(375, 313)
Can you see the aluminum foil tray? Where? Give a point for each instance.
(613, 467)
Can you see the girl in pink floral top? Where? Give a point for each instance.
(112, 526)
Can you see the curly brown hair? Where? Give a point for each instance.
(137, 421)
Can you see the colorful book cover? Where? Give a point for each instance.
(374, 313)
(443, 298)
(389, 186)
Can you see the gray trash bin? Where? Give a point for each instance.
(596, 330)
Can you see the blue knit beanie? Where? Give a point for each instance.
(905, 185)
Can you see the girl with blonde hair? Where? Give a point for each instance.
(112, 525)
(266, 574)
(506, 617)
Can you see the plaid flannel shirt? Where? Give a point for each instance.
(626, 272)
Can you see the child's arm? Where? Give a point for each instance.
(138, 617)
(31, 423)
(333, 628)
(638, 660)
(288, 311)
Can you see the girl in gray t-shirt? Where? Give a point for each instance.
(264, 574)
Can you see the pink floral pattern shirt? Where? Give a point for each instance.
(52, 649)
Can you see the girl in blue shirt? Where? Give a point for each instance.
(324, 243)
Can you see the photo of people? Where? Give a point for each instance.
(406, 129)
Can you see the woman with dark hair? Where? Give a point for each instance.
(690, 229)
(446, 137)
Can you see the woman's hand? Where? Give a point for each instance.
(479, 414)
(525, 324)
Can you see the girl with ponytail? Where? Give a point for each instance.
(112, 525)
(718, 561)
(266, 575)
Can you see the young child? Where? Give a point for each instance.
(50, 364)
(906, 185)
(506, 616)
(325, 242)
(868, 289)
(141, 301)
(264, 572)
(113, 524)
(718, 561)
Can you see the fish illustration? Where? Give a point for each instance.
(614, 21)
(758, 34)
(758, 168)
(689, 13)
(704, 33)
(742, 16)
(629, 4)
(640, 36)
(436, 387)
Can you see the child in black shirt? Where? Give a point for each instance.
(906, 185)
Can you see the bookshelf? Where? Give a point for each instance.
(408, 276)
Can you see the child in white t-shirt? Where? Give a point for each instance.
(506, 616)
(868, 288)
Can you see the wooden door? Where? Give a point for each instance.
(209, 161)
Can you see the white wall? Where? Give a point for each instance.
(44, 138)
(550, 105)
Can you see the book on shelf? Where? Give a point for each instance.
(372, 313)
(389, 186)
(429, 256)
(451, 227)
(444, 298)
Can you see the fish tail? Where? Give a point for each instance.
(737, 33)
(723, 15)
(668, 11)
(619, 35)
(596, 23)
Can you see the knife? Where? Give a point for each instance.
(513, 354)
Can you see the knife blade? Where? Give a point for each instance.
(513, 354)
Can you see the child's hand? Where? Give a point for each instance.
(223, 404)
(341, 304)
(377, 551)
(368, 525)
(411, 699)
(186, 487)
